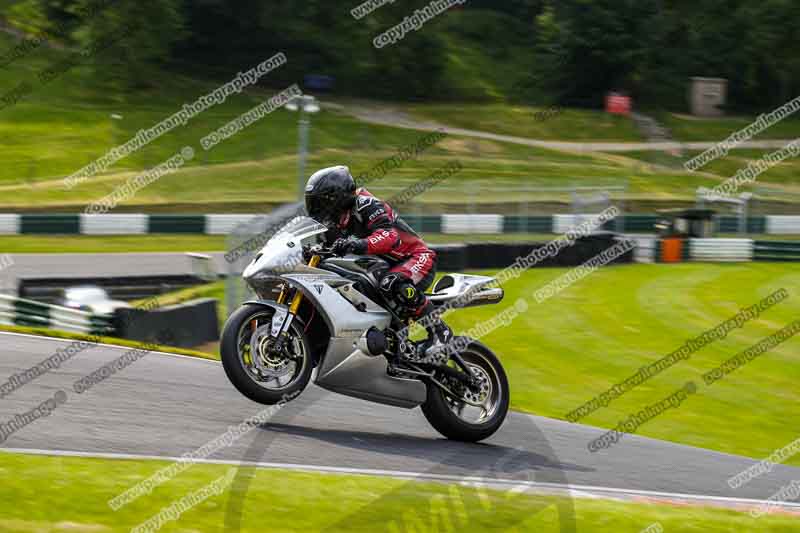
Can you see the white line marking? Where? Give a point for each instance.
(574, 490)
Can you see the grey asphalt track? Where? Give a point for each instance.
(105, 265)
(166, 406)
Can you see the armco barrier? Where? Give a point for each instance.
(111, 224)
(222, 224)
(523, 224)
(472, 224)
(21, 312)
(711, 250)
(176, 224)
(776, 251)
(734, 250)
(10, 225)
(647, 247)
(425, 223)
(50, 224)
(225, 224)
(721, 249)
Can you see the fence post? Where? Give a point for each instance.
(526, 209)
(620, 222)
(472, 191)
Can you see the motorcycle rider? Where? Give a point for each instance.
(360, 223)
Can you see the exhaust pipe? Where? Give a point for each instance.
(373, 342)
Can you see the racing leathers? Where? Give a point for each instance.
(372, 227)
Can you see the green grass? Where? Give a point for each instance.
(565, 351)
(70, 494)
(522, 121)
(494, 173)
(786, 173)
(89, 244)
(66, 125)
(692, 129)
(63, 126)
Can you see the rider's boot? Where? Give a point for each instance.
(434, 349)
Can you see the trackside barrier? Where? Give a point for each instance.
(224, 224)
(776, 251)
(21, 312)
(721, 249)
(491, 224)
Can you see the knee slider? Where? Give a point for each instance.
(399, 289)
(408, 295)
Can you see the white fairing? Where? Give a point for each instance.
(464, 290)
(283, 253)
(345, 368)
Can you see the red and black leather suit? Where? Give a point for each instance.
(385, 234)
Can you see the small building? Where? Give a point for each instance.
(708, 96)
(686, 223)
(676, 226)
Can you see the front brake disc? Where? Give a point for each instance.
(265, 359)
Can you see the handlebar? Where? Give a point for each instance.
(319, 249)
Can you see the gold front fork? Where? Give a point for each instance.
(298, 297)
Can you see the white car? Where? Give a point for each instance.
(92, 299)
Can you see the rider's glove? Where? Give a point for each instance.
(308, 252)
(351, 245)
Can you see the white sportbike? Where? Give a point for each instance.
(317, 311)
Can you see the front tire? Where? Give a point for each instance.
(263, 382)
(446, 413)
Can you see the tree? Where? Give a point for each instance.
(142, 35)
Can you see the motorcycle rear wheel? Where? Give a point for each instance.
(446, 413)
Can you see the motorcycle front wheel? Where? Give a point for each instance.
(262, 374)
(470, 415)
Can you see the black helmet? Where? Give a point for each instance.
(329, 192)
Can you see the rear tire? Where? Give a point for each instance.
(440, 408)
(235, 366)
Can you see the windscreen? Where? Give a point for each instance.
(300, 228)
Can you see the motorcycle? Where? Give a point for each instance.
(316, 311)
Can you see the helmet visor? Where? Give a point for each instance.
(321, 207)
